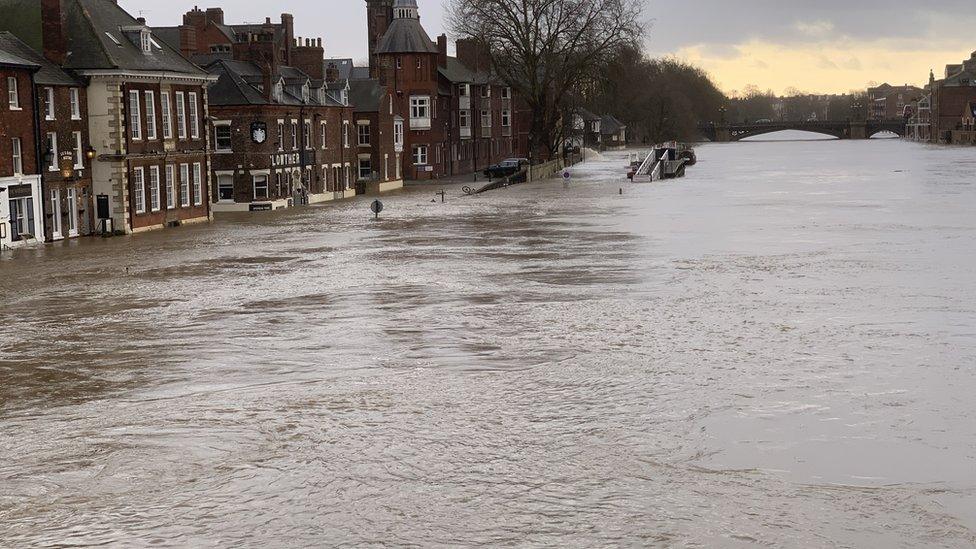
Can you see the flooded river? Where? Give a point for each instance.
(778, 350)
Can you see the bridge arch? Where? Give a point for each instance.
(757, 132)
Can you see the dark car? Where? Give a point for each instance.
(506, 167)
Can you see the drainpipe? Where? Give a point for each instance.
(38, 158)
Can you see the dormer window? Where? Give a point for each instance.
(305, 93)
(278, 91)
(145, 38)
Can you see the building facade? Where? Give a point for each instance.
(887, 102)
(21, 213)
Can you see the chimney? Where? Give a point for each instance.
(267, 72)
(442, 50)
(288, 24)
(309, 57)
(53, 31)
(188, 40)
(215, 16)
(195, 18)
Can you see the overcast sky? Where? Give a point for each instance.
(814, 45)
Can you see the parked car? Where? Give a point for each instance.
(506, 167)
(764, 121)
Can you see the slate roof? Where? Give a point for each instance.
(587, 115)
(609, 125)
(96, 41)
(11, 59)
(366, 95)
(456, 72)
(238, 84)
(406, 35)
(50, 74)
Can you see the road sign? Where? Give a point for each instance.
(566, 175)
(376, 207)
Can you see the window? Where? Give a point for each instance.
(139, 191)
(171, 186)
(13, 95)
(222, 137)
(464, 90)
(194, 119)
(18, 156)
(197, 184)
(307, 134)
(420, 63)
(399, 63)
(506, 119)
(398, 135)
(75, 104)
(506, 93)
(56, 213)
(485, 92)
(365, 168)
(150, 115)
(144, 39)
(323, 139)
(281, 135)
(167, 116)
(135, 117)
(420, 112)
(225, 188)
(52, 145)
(345, 134)
(79, 152)
(386, 167)
(154, 188)
(464, 119)
(49, 103)
(260, 187)
(184, 185)
(294, 135)
(72, 212)
(486, 119)
(21, 218)
(363, 135)
(420, 155)
(180, 115)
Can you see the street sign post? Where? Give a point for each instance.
(376, 208)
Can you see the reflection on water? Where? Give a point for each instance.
(776, 350)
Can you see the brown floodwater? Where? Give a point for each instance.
(778, 350)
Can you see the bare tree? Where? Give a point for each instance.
(544, 49)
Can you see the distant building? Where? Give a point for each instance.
(947, 106)
(887, 102)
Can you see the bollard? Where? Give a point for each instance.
(621, 190)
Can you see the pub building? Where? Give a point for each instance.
(21, 215)
(147, 107)
(66, 152)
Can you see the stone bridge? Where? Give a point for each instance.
(847, 129)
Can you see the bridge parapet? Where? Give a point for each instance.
(842, 129)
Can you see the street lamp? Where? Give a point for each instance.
(90, 152)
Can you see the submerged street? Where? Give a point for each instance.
(777, 350)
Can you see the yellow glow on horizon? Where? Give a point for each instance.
(821, 68)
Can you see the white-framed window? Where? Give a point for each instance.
(420, 112)
(506, 93)
(135, 117)
(396, 164)
(17, 152)
(386, 167)
(75, 99)
(197, 184)
(72, 212)
(464, 90)
(398, 135)
(48, 103)
(154, 204)
(323, 139)
(52, 145)
(146, 41)
(184, 185)
(506, 119)
(56, 213)
(420, 155)
(139, 190)
(180, 115)
(485, 91)
(150, 115)
(345, 134)
(364, 136)
(225, 188)
(13, 94)
(171, 186)
(281, 135)
(223, 138)
(365, 168)
(260, 187)
(464, 119)
(167, 115)
(294, 135)
(307, 134)
(79, 151)
(485, 119)
(194, 119)
(399, 63)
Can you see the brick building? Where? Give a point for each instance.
(147, 107)
(62, 109)
(21, 214)
(944, 113)
(887, 102)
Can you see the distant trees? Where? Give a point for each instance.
(794, 105)
(546, 49)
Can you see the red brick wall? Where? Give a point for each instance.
(17, 123)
